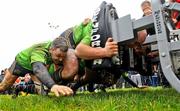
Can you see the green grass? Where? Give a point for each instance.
(151, 99)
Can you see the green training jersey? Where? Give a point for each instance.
(82, 33)
(36, 53)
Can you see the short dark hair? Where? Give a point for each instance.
(146, 1)
(61, 43)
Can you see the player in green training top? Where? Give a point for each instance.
(79, 38)
(35, 60)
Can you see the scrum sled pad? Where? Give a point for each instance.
(101, 30)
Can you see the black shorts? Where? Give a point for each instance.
(18, 70)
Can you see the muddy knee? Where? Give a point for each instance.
(70, 70)
(70, 66)
(7, 81)
(68, 74)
